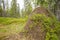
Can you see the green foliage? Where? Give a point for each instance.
(51, 36)
(1, 9)
(14, 10)
(28, 7)
(7, 20)
(50, 24)
(50, 4)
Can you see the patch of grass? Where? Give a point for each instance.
(7, 20)
(10, 26)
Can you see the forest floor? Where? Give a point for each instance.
(9, 26)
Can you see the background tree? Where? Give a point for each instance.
(0, 8)
(18, 10)
(27, 7)
(3, 8)
(57, 9)
(7, 8)
(14, 7)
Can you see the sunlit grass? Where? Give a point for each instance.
(4, 20)
(10, 26)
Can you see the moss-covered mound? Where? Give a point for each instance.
(41, 25)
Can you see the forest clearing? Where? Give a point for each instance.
(29, 19)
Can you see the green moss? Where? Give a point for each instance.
(49, 23)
